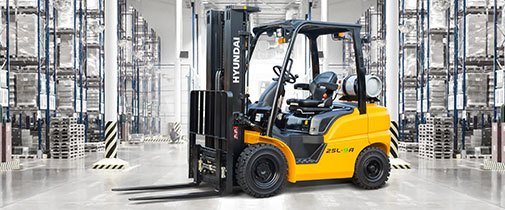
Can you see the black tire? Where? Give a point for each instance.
(372, 168)
(261, 170)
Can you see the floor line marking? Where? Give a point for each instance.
(92, 185)
(469, 167)
(131, 168)
(33, 167)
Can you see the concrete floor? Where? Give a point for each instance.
(64, 184)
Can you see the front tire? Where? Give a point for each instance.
(261, 170)
(372, 169)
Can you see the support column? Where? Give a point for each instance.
(324, 17)
(392, 79)
(111, 70)
(392, 61)
(178, 71)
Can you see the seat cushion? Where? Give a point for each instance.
(305, 102)
(308, 110)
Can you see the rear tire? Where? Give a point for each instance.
(261, 170)
(372, 168)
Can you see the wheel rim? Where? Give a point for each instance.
(265, 172)
(374, 169)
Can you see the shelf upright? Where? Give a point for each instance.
(455, 75)
(81, 88)
(402, 72)
(100, 71)
(495, 60)
(427, 53)
(8, 61)
(159, 84)
(55, 59)
(463, 63)
(47, 65)
(421, 56)
(39, 85)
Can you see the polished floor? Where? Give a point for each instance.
(64, 184)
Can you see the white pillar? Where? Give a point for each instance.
(392, 64)
(178, 74)
(392, 89)
(324, 17)
(111, 68)
(111, 162)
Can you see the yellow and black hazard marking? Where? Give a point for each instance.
(110, 139)
(393, 130)
(109, 166)
(395, 161)
(111, 162)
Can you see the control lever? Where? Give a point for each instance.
(244, 120)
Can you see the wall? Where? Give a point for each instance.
(160, 14)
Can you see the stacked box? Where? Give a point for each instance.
(408, 147)
(67, 138)
(93, 99)
(65, 90)
(437, 94)
(66, 48)
(476, 89)
(437, 17)
(26, 138)
(476, 138)
(26, 89)
(410, 93)
(437, 58)
(476, 37)
(94, 147)
(23, 35)
(94, 29)
(435, 138)
(92, 62)
(65, 14)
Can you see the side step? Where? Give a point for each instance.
(156, 187)
(179, 196)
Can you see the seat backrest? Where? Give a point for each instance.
(268, 95)
(317, 93)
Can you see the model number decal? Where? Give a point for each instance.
(339, 150)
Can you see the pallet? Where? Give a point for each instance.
(24, 156)
(11, 165)
(478, 156)
(408, 147)
(493, 165)
(435, 156)
(94, 147)
(67, 156)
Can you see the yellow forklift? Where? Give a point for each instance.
(255, 147)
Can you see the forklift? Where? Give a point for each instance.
(258, 148)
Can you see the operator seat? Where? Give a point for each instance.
(321, 98)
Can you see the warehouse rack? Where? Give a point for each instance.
(139, 74)
(426, 69)
(69, 84)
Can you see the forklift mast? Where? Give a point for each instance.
(213, 110)
(215, 24)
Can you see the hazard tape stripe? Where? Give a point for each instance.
(110, 140)
(393, 130)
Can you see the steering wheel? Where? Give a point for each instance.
(289, 77)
